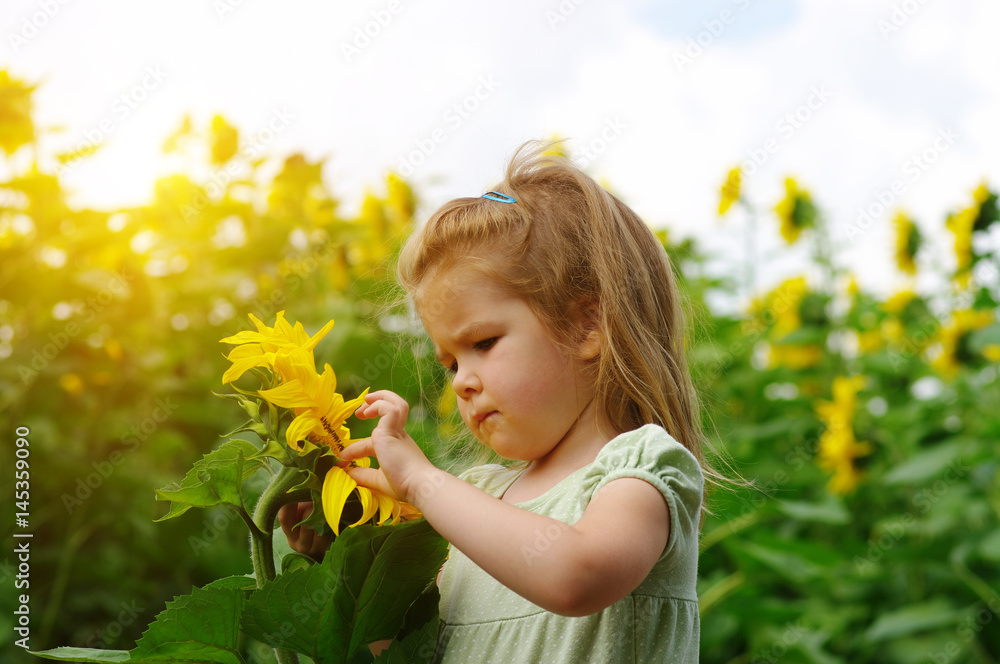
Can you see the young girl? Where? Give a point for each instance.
(555, 310)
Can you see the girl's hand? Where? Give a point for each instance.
(403, 467)
(302, 539)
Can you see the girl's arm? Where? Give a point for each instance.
(572, 570)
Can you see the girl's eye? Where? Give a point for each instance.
(482, 345)
(485, 344)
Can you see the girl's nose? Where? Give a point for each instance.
(466, 383)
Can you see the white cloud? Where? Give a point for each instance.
(520, 71)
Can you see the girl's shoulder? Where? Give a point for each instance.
(651, 454)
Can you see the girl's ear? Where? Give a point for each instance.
(591, 346)
(591, 339)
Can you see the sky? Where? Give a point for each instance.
(873, 105)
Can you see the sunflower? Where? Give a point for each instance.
(320, 416)
(954, 336)
(908, 242)
(838, 449)
(260, 348)
(796, 211)
(729, 194)
(320, 412)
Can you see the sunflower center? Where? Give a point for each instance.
(338, 444)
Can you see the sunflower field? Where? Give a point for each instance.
(861, 427)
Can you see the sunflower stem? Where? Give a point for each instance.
(276, 495)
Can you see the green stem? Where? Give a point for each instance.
(729, 528)
(975, 583)
(79, 534)
(718, 592)
(274, 497)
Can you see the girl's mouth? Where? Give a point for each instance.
(481, 417)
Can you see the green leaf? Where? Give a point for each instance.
(360, 593)
(989, 547)
(411, 558)
(312, 482)
(82, 655)
(911, 619)
(831, 511)
(983, 337)
(248, 401)
(216, 479)
(274, 450)
(811, 646)
(423, 610)
(803, 336)
(796, 560)
(317, 520)
(924, 465)
(417, 647)
(417, 639)
(201, 627)
(294, 561)
(239, 582)
(250, 426)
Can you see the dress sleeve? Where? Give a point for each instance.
(652, 455)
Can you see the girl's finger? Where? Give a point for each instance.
(373, 479)
(286, 516)
(383, 395)
(305, 541)
(386, 404)
(357, 449)
(391, 408)
(291, 514)
(362, 413)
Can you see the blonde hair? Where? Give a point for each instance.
(583, 261)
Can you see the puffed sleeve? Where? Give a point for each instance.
(651, 454)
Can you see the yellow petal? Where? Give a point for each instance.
(337, 487)
(241, 367)
(387, 507)
(244, 337)
(299, 430)
(369, 505)
(337, 410)
(297, 364)
(314, 339)
(284, 330)
(288, 395)
(245, 351)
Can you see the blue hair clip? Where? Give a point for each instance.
(498, 197)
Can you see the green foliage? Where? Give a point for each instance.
(371, 580)
(109, 329)
(869, 533)
(359, 594)
(109, 337)
(200, 627)
(217, 479)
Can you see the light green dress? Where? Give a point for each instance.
(482, 621)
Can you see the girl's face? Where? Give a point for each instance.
(519, 392)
